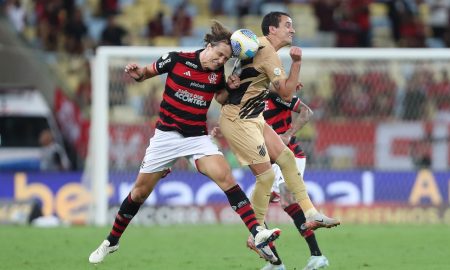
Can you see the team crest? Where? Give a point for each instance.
(277, 71)
(262, 150)
(212, 78)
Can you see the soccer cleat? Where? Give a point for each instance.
(316, 262)
(319, 220)
(265, 236)
(270, 266)
(265, 252)
(100, 253)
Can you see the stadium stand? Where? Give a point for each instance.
(70, 31)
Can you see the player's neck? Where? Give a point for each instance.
(276, 42)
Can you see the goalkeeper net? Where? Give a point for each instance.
(376, 109)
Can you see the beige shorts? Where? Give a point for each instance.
(246, 139)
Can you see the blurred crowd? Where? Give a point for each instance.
(69, 31)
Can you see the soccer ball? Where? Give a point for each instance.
(244, 44)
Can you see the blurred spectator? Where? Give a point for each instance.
(182, 21)
(382, 91)
(412, 32)
(356, 102)
(324, 12)
(439, 17)
(53, 156)
(414, 102)
(75, 32)
(109, 8)
(347, 30)
(113, 34)
(156, 26)
(243, 9)
(16, 14)
(395, 9)
(216, 7)
(440, 94)
(51, 17)
(420, 150)
(359, 14)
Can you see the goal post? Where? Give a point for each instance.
(108, 79)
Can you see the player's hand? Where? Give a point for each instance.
(296, 54)
(233, 81)
(134, 71)
(216, 133)
(299, 86)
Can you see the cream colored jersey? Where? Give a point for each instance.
(247, 101)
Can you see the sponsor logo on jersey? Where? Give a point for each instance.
(198, 85)
(190, 98)
(285, 103)
(187, 73)
(191, 64)
(212, 78)
(161, 64)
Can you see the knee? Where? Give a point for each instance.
(225, 180)
(139, 195)
(286, 157)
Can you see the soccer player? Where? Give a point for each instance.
(254, 142)
(277, 114)
(193, 79)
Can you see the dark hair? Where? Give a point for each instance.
(271, 19)
(219, 33)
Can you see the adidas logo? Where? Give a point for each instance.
(187, 73)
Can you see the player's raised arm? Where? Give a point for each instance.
(287, 87)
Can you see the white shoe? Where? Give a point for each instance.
(265, 252)
(319, 220)
(265, 236)
(316, 262)
(270, 266)
(100, 253)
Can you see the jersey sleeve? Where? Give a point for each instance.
(166, 62)
(273, 68)
(279, 102)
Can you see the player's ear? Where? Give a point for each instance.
(272, 28)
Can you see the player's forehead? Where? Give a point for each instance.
(285, 20)
(223, 48)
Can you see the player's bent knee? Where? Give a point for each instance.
(286, 158)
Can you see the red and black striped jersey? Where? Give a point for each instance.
(278, 114)
(188, 93)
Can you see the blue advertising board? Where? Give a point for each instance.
(61, 193)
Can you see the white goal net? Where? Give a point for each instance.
(374, 109)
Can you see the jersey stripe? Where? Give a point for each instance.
(181, 120)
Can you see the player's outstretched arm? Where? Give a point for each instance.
(140, 74)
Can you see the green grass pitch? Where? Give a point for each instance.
(221, 247)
